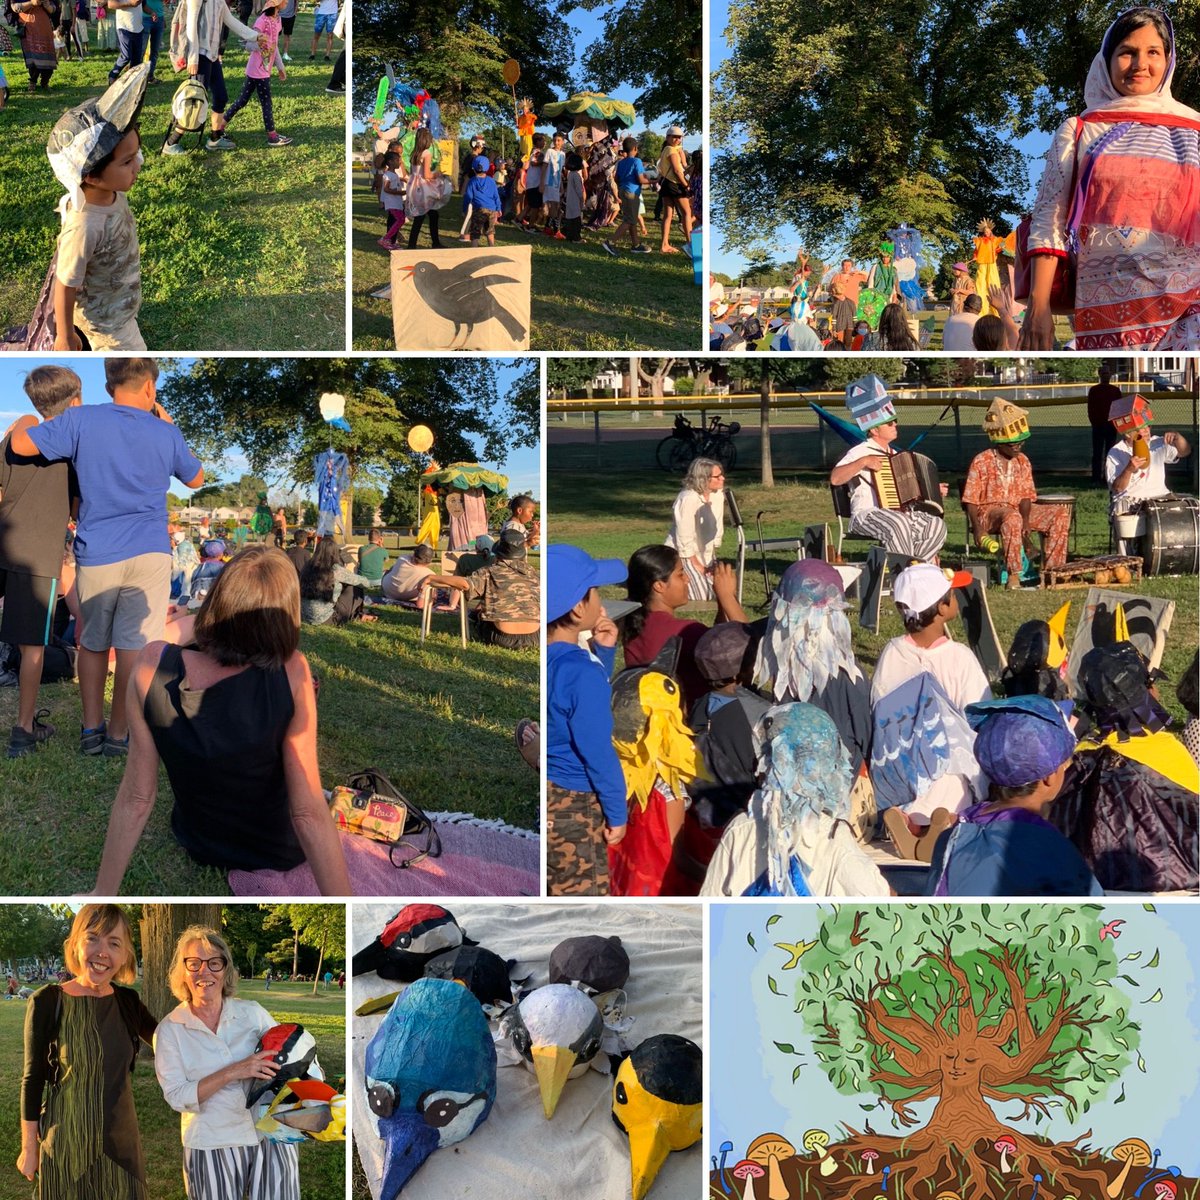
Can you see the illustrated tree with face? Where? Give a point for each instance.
(978, 1008)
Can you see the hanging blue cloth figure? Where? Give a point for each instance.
(908, 262)
(331, 470)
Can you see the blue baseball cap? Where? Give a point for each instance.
(480, 164)
(571, 573)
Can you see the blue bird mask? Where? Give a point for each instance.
(430, 1075)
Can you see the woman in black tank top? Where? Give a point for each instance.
(233, 719)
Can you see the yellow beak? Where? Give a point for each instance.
(648, 1150)
(552, 1064)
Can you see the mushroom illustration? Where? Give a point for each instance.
(870, 1157)
(767, 1150)
(748, 1170)
(1037, 1182)
(1006, 1144)
(815, 1141)
(726, 1150)
(1133, 1152)
(886, 1172)
(947, 1196)
(1165, 1189)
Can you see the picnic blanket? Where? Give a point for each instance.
(516, 1154)
(479, 858)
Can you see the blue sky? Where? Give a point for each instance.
(788, 240)
(752, 1091)
(587, 28)
(523, 467)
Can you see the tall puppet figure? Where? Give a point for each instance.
(526, 123)
(987, 251)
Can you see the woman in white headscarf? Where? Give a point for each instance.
(1123, 181)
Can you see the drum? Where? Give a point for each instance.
(1171, 541)
(1067, 500)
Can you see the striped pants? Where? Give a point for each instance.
(918, 534)
(699, 582)
(268, 1171)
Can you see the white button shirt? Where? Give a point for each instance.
(187, 1051)
(1148, 484)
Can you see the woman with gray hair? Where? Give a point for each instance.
(204, 1052)
(698, 524)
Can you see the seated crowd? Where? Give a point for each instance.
(209, 677)
(760, 759)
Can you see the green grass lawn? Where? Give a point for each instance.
(322, 1165)
(582, 298)
(611, 514)
(241, 250)
(436, 719)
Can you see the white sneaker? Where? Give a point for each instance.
(287, 58)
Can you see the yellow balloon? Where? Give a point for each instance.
(420, 438)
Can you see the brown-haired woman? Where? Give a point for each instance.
(79, 1131)
(233, 719)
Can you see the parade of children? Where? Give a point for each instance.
(701, 744)
(117, 144)
(546, 200)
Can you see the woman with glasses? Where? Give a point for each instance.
(79, 1130)
(204, 1052)
(698, 524)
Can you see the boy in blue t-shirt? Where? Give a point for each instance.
(124, 455)
(586, 807)
(482, 194)
(630, 178)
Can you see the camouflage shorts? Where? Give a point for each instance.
(576, 852)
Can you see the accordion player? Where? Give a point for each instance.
(908, 482)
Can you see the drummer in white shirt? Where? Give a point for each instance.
(1134, 474)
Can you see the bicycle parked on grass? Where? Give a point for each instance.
(686, 442)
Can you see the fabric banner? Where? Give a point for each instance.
(472, 299)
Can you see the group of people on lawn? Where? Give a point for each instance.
(792, 748)
(221, 696)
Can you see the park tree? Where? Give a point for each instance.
(321, 927)
(654, 45)
(268, 408)
(32, 931)
(456, 50)
(160, 927)
(239, 493)
(976, 1009)
(843, 117)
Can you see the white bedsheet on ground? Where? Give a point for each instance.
(516, 1154)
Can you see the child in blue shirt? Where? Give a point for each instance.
(630, 175)
(585, 786)
(124, 454)
(482, 194)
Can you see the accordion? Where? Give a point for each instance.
(908, 482)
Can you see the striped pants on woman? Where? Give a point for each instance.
(268, 1171)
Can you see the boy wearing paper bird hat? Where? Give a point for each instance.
(999, 496)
